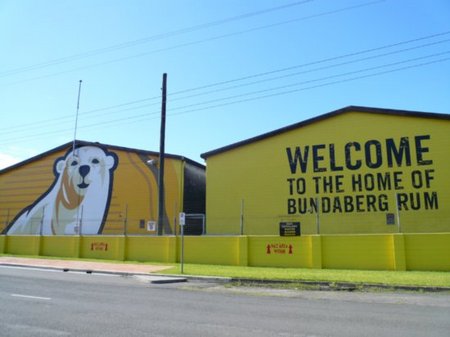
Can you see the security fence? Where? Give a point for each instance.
(362, 251)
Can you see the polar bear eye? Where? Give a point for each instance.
(74, 163)
(95, 161)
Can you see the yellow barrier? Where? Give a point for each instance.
(2, 244)
(153, 248)
(276, 251)
(22, 245)
(64, 246)
(373, 252)
(222, 250)
(427, 251)
(102, 247)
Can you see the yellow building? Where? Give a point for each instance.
(351, 171)
(97, 189)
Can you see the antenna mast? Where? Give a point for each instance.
(76, 118)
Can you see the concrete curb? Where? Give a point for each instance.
(153, 278)
(160, 279)
(215, 279)
(78, 270)
(342, 286)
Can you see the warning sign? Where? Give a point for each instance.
(289, 228)
(279, 248)
(103, 246)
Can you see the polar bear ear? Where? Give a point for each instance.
(59, 165)
(110, 161)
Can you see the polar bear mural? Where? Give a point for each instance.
(77, 201)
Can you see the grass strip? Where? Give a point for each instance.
(391, 278)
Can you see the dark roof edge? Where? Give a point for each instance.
(351, 108)
(111, 147)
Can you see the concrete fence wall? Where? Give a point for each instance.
(371, 252)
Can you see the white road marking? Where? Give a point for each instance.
(32, 297)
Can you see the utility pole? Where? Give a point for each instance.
(161, 157)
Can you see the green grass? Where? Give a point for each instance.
(389, 278)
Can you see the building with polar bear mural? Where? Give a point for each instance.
(93, 188)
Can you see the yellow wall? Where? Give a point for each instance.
(159, 249)
(262, 178)
(102, 247)
(222, 250)
(22, 245)
(427, 252)
(133, 201)
(2, 244)
(64, 246)
(275, 251)
(135, 194)
(22, 186)
(370, 251)
(373, 252)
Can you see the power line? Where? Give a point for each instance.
(314, 86)
(58, 120)
(316, 80)
(308, 71)
(151, 38)
(365, 51)
(285, 92)
(23, 127)
(192, 43)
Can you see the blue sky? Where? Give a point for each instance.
(235, 68)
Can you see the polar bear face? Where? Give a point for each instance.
(78, 199)
(86, 166)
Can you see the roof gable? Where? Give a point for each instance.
(79, 143)
(391, 112)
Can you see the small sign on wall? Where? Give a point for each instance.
(99, 246)
(390, 219)
(289, 228)
(151, 226)
(279, 248)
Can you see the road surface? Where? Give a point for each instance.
(45, 303)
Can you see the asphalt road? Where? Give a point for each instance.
(44, 303)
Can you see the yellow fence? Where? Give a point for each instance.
(372, 252)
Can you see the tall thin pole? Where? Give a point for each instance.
(76, 118)
(397, 211)
(78, 221)
(182, 249)
(242, 216)
(125, 223)
(161, 157)
(317, 216)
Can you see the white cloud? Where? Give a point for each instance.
(8, 160)
(11, 155)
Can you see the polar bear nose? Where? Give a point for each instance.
(84, 170)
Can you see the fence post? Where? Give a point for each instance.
(242, 217)
(317, 216)
(397, 210)
(125, 221)
(7, 219)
